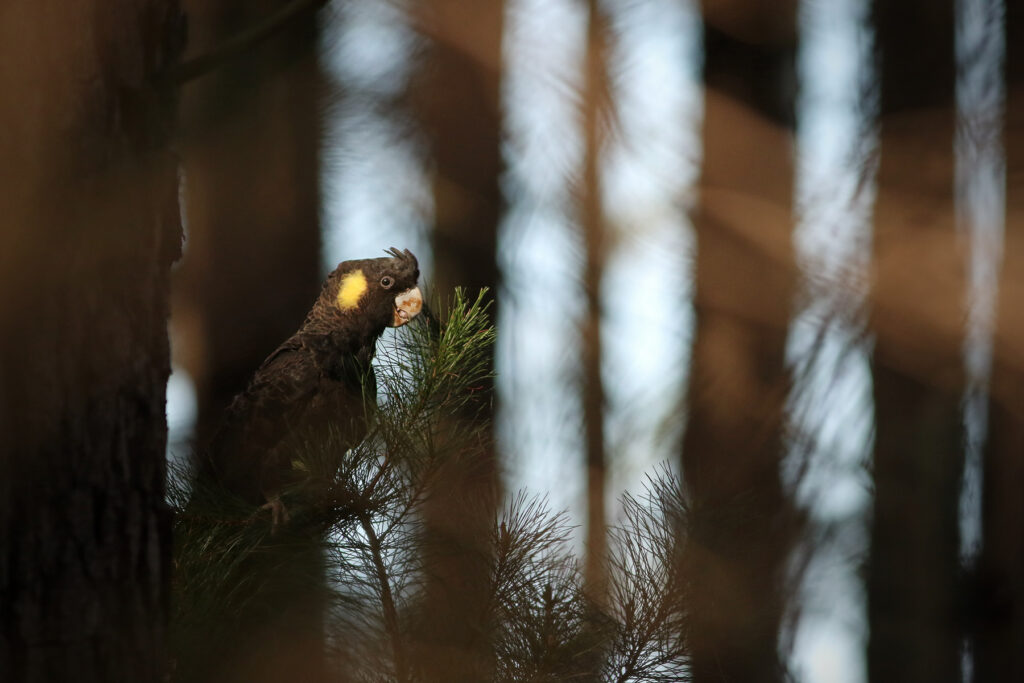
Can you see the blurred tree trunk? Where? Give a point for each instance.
(252, 136)
(456, 98)
(741, 518)
(596, 112)
(917, 365)
(89, 227)
(999, 645)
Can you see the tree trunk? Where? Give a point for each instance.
(742, 522)
(917, 365)
(596, 112)
(89, 227)
(999, 644)
(252, 134)
(456, 97)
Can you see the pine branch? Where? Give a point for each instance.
(358, 504)
(647, 598)
(362, 506)
(386, 599)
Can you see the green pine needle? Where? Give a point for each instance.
(355, 543)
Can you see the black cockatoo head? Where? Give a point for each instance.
(380, 292)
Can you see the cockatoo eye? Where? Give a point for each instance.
(386, 282)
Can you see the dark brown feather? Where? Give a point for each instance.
(319, 380)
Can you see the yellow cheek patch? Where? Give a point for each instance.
(353, 286)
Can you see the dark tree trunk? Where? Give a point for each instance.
(456, 98)
(89, 228)
(252, 136)
(917, 366)
(742, 524)
(595, 119)
(252, 133)
(999, 643)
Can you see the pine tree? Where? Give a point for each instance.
(359, 515)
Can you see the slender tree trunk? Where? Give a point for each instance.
(917, 366)
(742, 524)
(456, 97)
(999, 644)
(596, 111)
(252, 134)
(89, 227)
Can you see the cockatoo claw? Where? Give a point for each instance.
(278, 512)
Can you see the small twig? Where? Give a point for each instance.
(247, 39)
(371, 488)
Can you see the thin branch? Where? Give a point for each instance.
(244, 41)
(386, 598)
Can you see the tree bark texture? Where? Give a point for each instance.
(917, 366)
(999, 635)
(742, 521)
(89, 227)
(455, 97)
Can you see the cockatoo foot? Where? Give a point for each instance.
(278, 512)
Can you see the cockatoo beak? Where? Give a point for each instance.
(408, 305)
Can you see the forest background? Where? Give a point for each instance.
(776, 246)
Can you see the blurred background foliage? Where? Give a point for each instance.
(776, 246)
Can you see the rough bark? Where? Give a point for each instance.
(455, 96)
(999, 635)
(917, 367)
(89, 227)
(741, 519)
